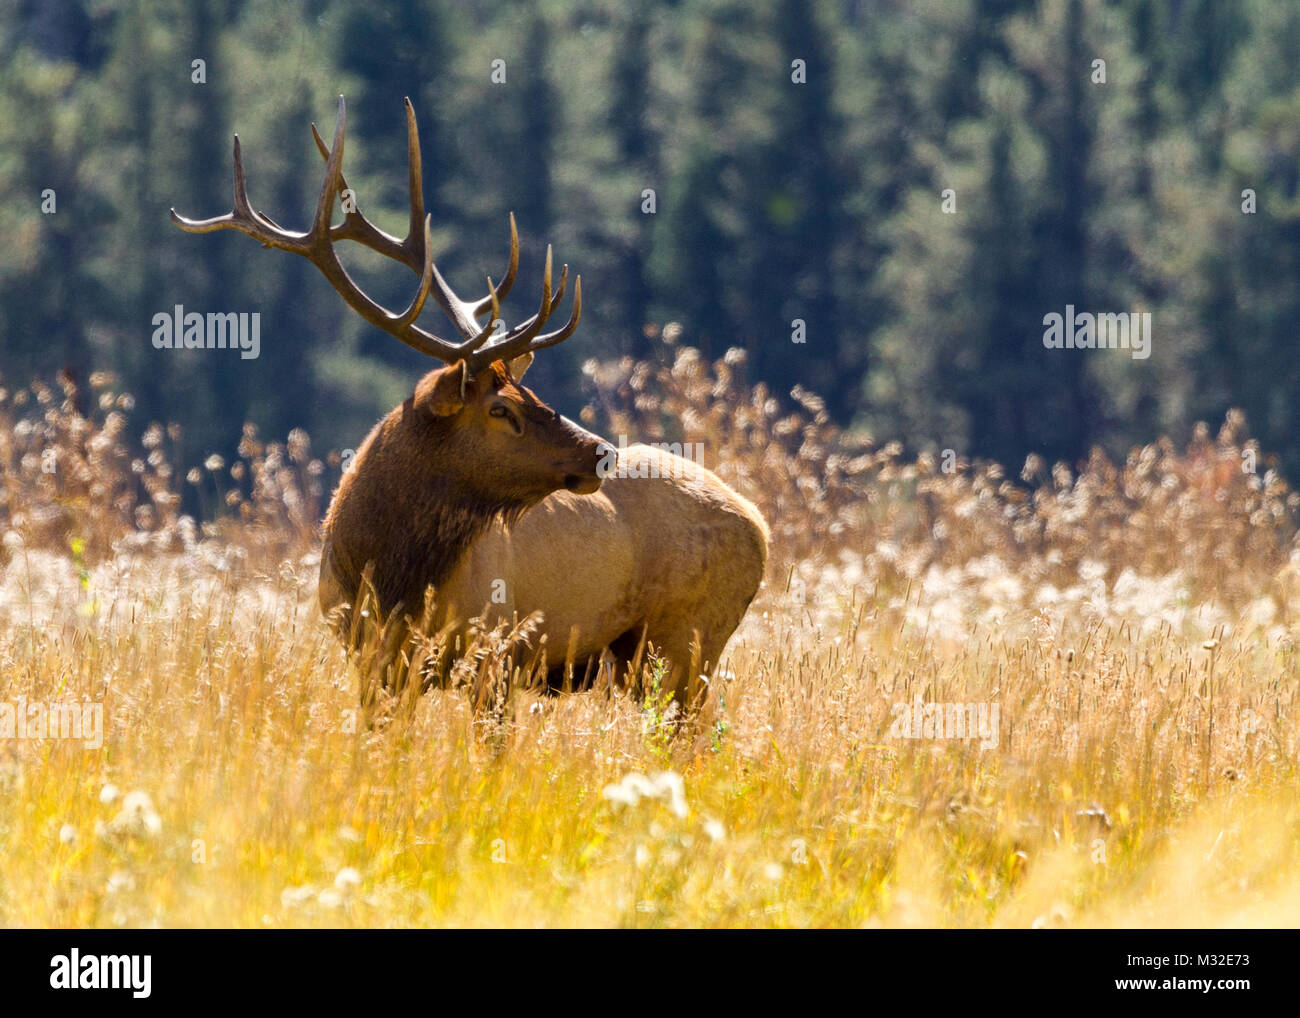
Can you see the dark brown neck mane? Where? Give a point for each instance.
(403, 513)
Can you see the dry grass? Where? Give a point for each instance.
(1135, 626)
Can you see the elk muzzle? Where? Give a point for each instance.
(581, 473)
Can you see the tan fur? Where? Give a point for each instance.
(678, 556)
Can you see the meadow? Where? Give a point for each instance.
(1131, 626)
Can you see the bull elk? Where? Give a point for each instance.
(474, 486)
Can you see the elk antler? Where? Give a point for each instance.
(415, 250)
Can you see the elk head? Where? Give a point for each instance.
(489, 418)
(495, 438)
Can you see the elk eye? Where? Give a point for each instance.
(506, 415)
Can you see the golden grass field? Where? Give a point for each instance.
(1135, 624)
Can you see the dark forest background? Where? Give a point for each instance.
(775, 200)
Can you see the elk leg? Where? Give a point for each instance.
(691, 644)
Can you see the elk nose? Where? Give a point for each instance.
(584, 474)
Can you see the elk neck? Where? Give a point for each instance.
(404, 508)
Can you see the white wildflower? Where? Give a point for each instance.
(347, 880)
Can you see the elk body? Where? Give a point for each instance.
(475, 491)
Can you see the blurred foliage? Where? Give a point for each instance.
(775, 201)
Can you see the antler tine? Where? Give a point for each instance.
(242, 209)
(408, 317)
(516, 340)
(496, 352)
(510, 349)
(496, 304)
(357, 227)
(330, 186)
(524, 338)
(414, 171)
(561, 334)
(507, 281)
(244, 219)
(410, 251)
(526, 330)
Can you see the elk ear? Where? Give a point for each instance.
(519, 365)
(443, 392)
